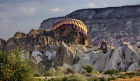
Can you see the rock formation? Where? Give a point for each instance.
(38, 39)
(113, 23)
(66, 47)
(2, 44)
(47, 49)
(124, 57)
(71, 48)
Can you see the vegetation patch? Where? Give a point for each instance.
(12, 68)
(111, 72)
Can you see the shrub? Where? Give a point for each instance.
(77, 77)
(131, 74)
(36, 75)
(138, 73)
(13, 69)
(96, 79)
(59, 79)
(111, 72)
(88, 68)
(93, 79)
(124, 76)
(111, 78)
(50, 72)
(84, 72)
(65, 79)
(60, 70)
(102, 79)
(70, 71)
(40, 80)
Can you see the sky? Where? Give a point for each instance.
(24, 15)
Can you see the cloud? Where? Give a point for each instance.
(28, 10)
(91, 5)
(57, 9)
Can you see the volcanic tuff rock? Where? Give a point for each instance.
(70, 48)
(38, 39)
(115, 22)
(2, 44)
(47, 48)
(125, 18)
(124, 57)
(54, 49)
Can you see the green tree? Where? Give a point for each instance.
(88, 68)
(12, 68)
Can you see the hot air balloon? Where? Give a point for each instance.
(73, 23)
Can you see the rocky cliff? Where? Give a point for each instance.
(46, 49)
(114, 22)
(101, 19)
(66, 47)
(39, 39)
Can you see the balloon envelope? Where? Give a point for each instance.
(73, 23)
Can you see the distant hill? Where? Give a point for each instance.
(111, 20)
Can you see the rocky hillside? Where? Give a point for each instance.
(38, 39)
(70, 48)
(115, 22)
(124, 57)
(101, 19)
(46, 49)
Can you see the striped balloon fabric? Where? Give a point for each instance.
(73, 23)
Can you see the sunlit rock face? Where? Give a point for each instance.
(48, 49)
(38, 39)
(115, 24)
(123, 58)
